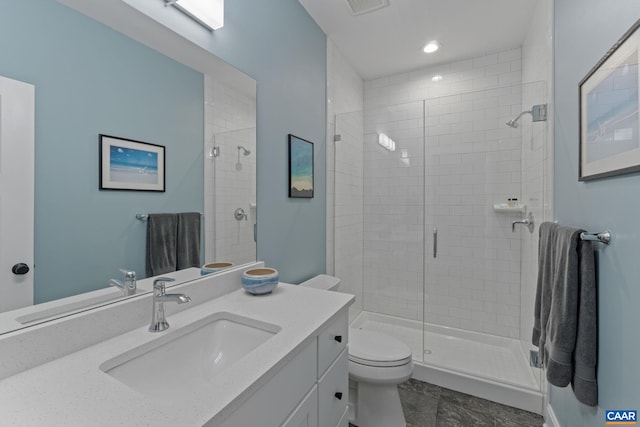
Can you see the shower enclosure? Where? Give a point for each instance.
(231, 199)
(423, 233)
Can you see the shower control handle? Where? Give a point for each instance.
(240, 214)
(528, 222)
(435, 242)
(338, 338)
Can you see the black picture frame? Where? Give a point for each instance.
(301, 179)
(130, 165)
(609, 101)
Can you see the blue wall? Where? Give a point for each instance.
(584, 31)
(90, 80)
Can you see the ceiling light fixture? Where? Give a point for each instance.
(432, 46)
(436, 78)
(208, 13)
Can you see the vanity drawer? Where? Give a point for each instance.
(332, 340)
(333, 392)
(306, 414)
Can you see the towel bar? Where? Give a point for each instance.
(144, 217)
(602, 237)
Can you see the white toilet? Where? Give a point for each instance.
(377, 364)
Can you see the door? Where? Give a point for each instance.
(17, 113)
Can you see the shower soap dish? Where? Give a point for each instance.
(259, 281)
(506, 208)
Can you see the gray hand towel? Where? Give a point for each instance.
(161, 244)
(546, 269)
(565, 323)
(188, 240)
(584, 382)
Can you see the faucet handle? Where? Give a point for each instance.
(159, 283)
(128, 274)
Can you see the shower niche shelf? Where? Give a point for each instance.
(506, 208)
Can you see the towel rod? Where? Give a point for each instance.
(144, 217)
(602, 237)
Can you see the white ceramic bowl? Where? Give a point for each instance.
(258, 281)
(212, 267)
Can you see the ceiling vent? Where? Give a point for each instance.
(358, 7)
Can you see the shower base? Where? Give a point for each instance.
(487, 366)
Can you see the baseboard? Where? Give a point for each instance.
(550, 419)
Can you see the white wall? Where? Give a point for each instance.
(345, 174)
(472, 161)
(229, 180)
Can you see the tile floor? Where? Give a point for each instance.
(427, 405)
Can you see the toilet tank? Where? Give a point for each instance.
(322, 281)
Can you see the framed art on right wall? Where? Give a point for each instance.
(300, 168)
(610, 113)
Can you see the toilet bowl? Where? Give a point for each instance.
(377, 364)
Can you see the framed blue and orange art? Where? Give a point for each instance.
(300, 168)
(610, 112)
(126, 164)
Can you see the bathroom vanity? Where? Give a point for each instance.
(228, 359)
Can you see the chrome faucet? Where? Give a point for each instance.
(129, 285)
(528, 221)
(158, 320)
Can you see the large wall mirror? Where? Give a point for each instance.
(106, 67)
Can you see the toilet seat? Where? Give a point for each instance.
(374, 349)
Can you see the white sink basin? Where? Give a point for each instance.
(187, 358)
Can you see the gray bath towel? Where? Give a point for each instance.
(161, 244)
(565, 324)
(188, 237)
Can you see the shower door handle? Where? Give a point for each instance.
(435, 242)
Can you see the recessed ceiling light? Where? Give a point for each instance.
(436, 78)
(432, 46)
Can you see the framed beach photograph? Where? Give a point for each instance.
(300, 168)
(126, 164)
(610, 113)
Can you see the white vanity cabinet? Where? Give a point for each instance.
(326, 403)
(319, 373)
(333, 373)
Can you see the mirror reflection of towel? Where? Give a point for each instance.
(173, 242)
(161, 244)
(188, 240)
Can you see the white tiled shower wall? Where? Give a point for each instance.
(472, 161)
(344, 188)
(230, 179)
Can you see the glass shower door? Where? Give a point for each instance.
(394, 221)
(345, 162)
(473, 161)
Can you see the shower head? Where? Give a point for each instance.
(245, 152)
(538, 111)
(513, 123)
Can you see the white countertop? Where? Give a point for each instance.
(73, 391)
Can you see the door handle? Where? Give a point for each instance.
(435, 242)
(20, 269)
